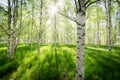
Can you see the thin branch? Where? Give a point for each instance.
(70, 18)
(3, 29)
(76, 5)
(2, 8)
(12, 4)
(20, 31)
(91, 3)
(5, 11)
(79, 3)
(87, 2)
(118, 2)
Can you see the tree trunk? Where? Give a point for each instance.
(15, 16)
(118, 20)
(18, 39)
(108, 23)
(0, 37)
(9, 47)
(80, 40)
(39, 32)
(98, 26)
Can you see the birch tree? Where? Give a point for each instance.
(118, 1)
(108, 23)
(81, 7)
(80, 14)
(98, 24)
(9, 50)
(8, 31)
(15, 16)
(12, 29)
(39, 30)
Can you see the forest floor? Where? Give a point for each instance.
(59, 63)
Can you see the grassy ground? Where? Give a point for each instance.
(59, 63)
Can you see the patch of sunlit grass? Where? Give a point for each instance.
(3, 48)
(100, 64)
(97, 48)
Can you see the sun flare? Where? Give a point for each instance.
(53, 9)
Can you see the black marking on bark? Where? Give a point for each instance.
(79, 28)
(82, 44)
(78, 57)
(79, 37)
(80, 75)
(76, 71)
(78, 48)
(83, 12)
(83, 34)
(77, 41)
(78, 33)
(83, 25)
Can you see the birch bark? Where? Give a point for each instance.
(80, 40)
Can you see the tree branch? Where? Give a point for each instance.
(91, 3)
(2, 9)
(76, 5)
(3, 29)
(68, 17)
(118, 2)
(87, 2)
(79, 3)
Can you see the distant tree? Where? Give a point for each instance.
(118, 1)
(98, 24)
(40, 27)
(12, 27)
(15, 19)
(9, 50)
(108, 23)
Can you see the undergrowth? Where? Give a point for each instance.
(58, 63)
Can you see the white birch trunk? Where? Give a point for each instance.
(108, 25)
(39, 32)
(80, 45)
(80, 40)
(9, 47)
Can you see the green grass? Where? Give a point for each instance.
(100, 64)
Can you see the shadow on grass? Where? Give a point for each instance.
(102, 65)
(60, 67)
(47, 66)
(27, 65)
(7, 66)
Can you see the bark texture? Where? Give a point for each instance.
(108, 23)
(98, 25)
(9, 48)
(80, 40)
(15, 17)
(39, 32)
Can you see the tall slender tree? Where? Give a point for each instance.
(98, 26)
(9, 50)
(81, 7)
(80, 14)
(31, 26)
(39, 30)
(15, 17)
(108, 23)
